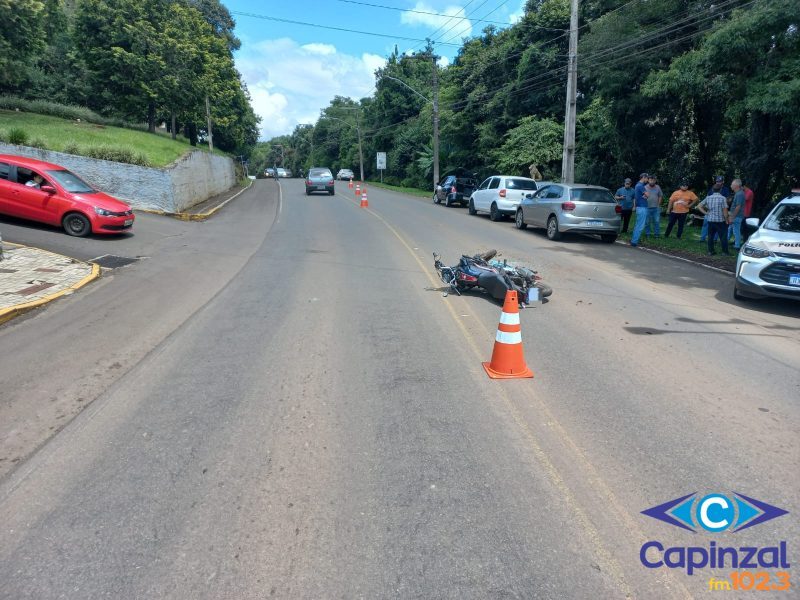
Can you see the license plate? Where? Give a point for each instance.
(128, 222)
(594, 223)
(794, 279)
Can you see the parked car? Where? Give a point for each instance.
(319, 180)
(769, 261)
(454, 189)
(571, 208)
(345, 175)
(499, 195)
(48, 193)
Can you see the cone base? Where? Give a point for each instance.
(526, 374)
(365, 205)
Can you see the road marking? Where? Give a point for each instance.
(590, 530)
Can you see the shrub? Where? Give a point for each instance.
(38, 143)
(17, 136)
(64, 111)
(71, 148)
(116, 154)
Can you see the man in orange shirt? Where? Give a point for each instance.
(680, 202)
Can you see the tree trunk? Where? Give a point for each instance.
(172, 126)
(191, 133)
(151, 117)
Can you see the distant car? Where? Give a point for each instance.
(500, 195)
(769, 261)
(48, 193)
(319, 180)
(269, 172)
(345, 175)
(571, 208)
(454, 189)
(283, 173)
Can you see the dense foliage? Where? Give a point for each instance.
(683, 88)
(141, 61)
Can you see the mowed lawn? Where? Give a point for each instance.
(57, 134)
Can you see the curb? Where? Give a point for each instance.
(687, 260)
(6, 314)
(182, 216)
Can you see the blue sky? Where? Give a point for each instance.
(293, 71)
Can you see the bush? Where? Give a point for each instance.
(116, 154)
(38, 143)
(71, 148)
(17, 136)
(63, 111)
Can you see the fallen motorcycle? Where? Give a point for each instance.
(493, 276)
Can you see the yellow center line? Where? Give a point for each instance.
(590, 530)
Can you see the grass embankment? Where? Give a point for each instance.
(689, 246)
(403, 190)
(63, 135)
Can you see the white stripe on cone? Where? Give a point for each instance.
(509, 318)
(509, 337)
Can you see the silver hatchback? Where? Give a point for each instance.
(571, 208)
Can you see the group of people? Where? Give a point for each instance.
(724, 210)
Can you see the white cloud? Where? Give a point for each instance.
(311, 75)
(517, 15)
(447, 26)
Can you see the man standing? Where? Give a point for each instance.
(715, 209)
(736, 214)
(625, 197)
(654, 197)
(641, 209)
(717, 188)
(680, 202)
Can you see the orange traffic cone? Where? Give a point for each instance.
(358, 191)
(364, 202)
(508, 360)
(350, 183)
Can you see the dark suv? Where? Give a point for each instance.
(455, 189)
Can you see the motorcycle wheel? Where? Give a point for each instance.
(544, 289)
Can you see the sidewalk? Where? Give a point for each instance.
(207, 208)
(31, 277)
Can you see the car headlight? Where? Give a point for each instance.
(756, 251)
(102, 211)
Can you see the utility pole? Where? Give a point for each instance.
(568, 160)
(208, 124)
(435, 122)
(360, 153)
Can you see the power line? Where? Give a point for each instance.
(411, 10)
(318, 26)
(503, 3)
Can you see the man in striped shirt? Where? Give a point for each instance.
(715, 208)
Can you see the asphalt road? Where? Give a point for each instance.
(280, 402)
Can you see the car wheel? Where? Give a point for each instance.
(552, 229)
(609, 238)
(76, 224)
(436, 198)
(519, 221)
(447, 202)
(331, 192)
(471, 207)
(494, 214)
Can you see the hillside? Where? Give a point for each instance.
(63, 135)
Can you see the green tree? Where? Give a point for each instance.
(21, 39)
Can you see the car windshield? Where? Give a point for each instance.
(592, 195)
(71, 182)
(785, 218)
(319, 173)
(520, 184)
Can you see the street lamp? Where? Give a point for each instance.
(435, 102)
(358, 132)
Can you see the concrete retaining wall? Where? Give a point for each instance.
(188, 181)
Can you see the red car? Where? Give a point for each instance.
(44, 192)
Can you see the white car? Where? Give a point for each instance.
(769, 261)
(499, 195)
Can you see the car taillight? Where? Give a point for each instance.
(502, 193)
(465, 277)
(308, 182)
(330, 182)
(618, 209)
(453, 190)
(567, 206)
